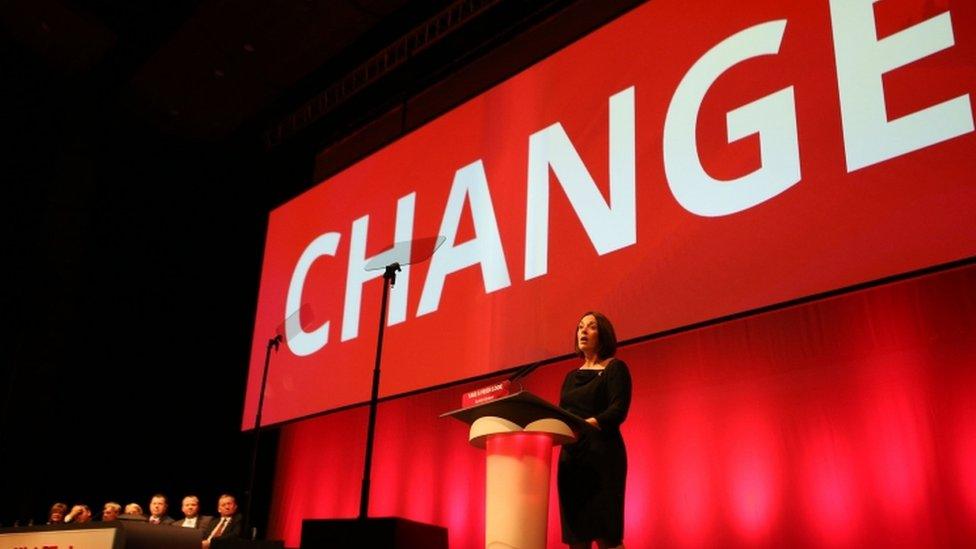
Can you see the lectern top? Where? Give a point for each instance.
(521, 408)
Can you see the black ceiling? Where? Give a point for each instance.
(200, 69)
(203, 69)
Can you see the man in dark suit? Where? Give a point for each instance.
(79, 513)
(228, 524)
(157, 510)
(192, 517)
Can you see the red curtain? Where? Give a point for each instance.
(847, 421)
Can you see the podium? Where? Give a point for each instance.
(518, 432)
(373, 532)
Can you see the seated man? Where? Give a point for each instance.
(79, 513)
(133, 509)
(228, 524)
(191, 516)
(157, 510)
(111, 511)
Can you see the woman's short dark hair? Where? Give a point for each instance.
(607, 346)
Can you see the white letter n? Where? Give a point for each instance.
(610, 226)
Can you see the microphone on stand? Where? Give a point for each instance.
(524, 371)
(275, 342)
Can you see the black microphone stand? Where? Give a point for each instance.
(389, 279)
(273, 343)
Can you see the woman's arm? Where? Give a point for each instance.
(618, 393)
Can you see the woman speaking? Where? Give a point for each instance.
(593, 470)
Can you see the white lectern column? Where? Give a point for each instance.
(517, 483)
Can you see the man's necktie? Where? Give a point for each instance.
(220, 528)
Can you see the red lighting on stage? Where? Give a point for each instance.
(754, 474)
(898, 447)
(643, 479)
(858, 432)
(831, 489)
(688, 473)
(520, 445)
(964, 451)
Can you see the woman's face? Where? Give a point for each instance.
(587, 335)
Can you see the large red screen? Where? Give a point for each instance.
(685, 162)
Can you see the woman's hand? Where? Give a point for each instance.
(592, 421)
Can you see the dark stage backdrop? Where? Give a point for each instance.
(846, 421)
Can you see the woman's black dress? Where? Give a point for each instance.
(593, 470)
